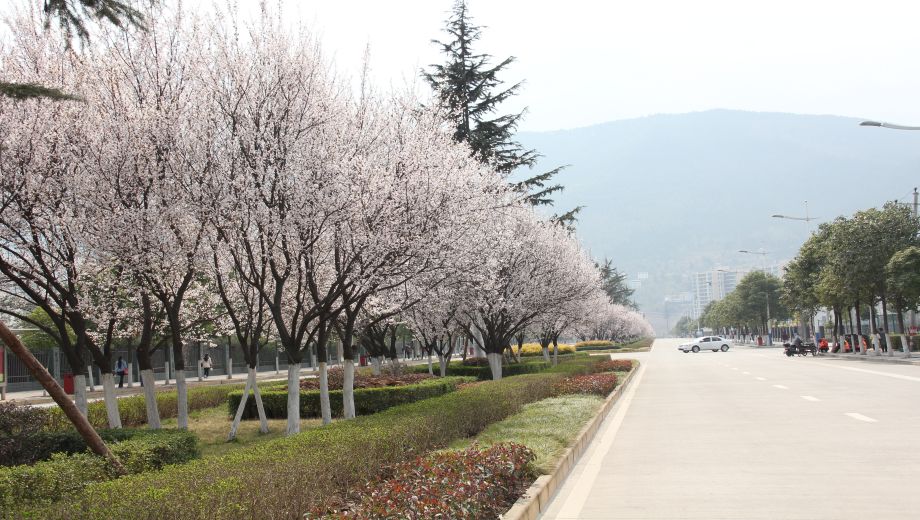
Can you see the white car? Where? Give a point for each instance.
(713, 343)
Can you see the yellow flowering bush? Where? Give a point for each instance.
(534, 349)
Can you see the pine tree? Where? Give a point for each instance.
(468, 85)
(71, 18)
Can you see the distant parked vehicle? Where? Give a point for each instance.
(713, 343)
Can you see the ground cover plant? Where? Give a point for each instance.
(547, 427)
(593, 344)
(598, 384)
(283, 478)
(467, 484)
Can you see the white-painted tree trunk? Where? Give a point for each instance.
(79, 394)
(375, 365)
(546, 354)
(348, 390)
(555, 354)
(430, 366)
(324, 406)
(150, 399)
(181, 400)
(111, 402)
(442, 361)
(495, 363)
(876, 342)
(239, 410)
(263, 419)
(293, 401)
(92, 385)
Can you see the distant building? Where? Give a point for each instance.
(712, 286)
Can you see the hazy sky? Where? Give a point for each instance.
(591, 61)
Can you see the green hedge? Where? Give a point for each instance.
(590, 348)
(367, 400)
(42, 482)
(43, 444)
(134, 412)
(282, 478)
(894, 341)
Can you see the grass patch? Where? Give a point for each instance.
(212, 425)
(547, 427)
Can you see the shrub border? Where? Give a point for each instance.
(538, 496)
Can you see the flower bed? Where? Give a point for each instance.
(598, 384)
(468, 484)
(534, 349)
(614, 365)
(367, 400)
(336, 378)
(594, 343)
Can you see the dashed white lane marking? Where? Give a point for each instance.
(809, 398)
(876, 372)
(573, 504)
(761, 379)
(746, 373)
(859, 417)
(781, 387)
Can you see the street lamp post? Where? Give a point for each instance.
(763, 264)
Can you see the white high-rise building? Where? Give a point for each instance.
(712, 286)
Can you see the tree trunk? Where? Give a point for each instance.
(442, 362)
(376, 363)
(430, 367)
(111, 401)
(150, 399)
(181, 399)
(555, 351)
(79, 421)
(348, 389)
(546, 353)
(79, 394)
(260, 407)
(324, 405)
(239, 410)
(495, 364)
(293, 400)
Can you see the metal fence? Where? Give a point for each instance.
(270, 359)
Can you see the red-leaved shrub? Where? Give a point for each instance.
(467, 484)
(613, 365)
(599, 384)
(336, 377)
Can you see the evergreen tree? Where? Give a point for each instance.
(615, 285)
(71, 17)
(467, 84)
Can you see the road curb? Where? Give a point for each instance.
(536, 499)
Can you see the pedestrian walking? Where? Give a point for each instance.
(121, 370)
(206, 365)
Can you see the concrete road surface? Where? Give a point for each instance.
(753, 434)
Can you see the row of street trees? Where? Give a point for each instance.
(849, 266)
(216, 178)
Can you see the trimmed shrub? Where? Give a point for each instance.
(19, 428)
(597, 384)
(367, 400)
(603, 348)
(475, 362)
(484, 373)
(640, 343)
(285, 478)
(468, 484)
(63, 474)
(594, 344)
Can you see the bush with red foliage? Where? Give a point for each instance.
(598, 384)
(613, 365)
(467, 484)
(336, 378)
(476, 362)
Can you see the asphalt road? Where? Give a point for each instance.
(753, 434)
